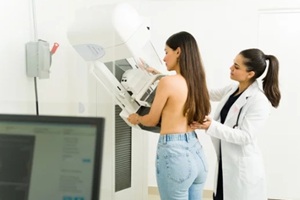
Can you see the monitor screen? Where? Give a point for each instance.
(50, 157)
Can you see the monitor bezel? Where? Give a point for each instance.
(99, 122)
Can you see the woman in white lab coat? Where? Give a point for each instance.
(238, 120)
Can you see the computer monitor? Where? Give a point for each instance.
(50, 157)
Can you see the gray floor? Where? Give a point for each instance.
(156, 197)
(153, 195)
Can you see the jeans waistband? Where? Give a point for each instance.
(163, 138)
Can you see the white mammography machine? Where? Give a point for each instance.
(115, 40)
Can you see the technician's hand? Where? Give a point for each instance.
(205, 125)
(133, 118)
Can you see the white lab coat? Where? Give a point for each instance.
(242, 163)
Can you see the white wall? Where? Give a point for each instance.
(222, 28)
(19, 27)
(15, 31)
(280, 141)
(66, 91)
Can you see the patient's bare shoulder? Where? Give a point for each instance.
(173, 81)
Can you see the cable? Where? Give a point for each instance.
(36, 96)
(35, 39)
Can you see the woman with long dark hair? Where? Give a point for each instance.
(238, 121)
(180, 99)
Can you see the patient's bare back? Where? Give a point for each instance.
(173, 120)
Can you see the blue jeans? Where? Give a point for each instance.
(181, 167)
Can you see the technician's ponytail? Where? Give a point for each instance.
(270, 81)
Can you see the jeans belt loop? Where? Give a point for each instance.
(165, 139)
(187, 138)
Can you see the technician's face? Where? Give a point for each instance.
(238, 70)
(171, 58)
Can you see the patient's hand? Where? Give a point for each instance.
(133, 118)
(152, 70)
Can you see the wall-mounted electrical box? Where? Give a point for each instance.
(38, 59)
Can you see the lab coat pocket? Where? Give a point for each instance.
(251, 169)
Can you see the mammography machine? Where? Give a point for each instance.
(114, 40)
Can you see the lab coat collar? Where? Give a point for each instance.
(240, 102)
(250, 91)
